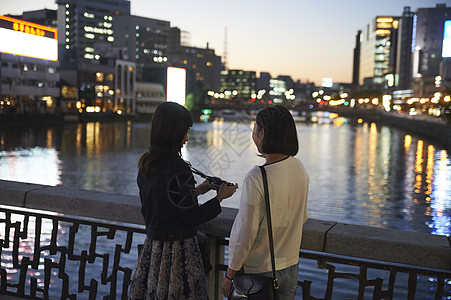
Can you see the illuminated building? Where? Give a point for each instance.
(28, 67)
(428, 63)
(377, 49)
(238, 85)
(405, 46)
(146, 41)
(203, 64)
(88, 53)
(155, 45)
(277, 89)
(406, 53)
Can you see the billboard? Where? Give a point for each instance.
(176, 85)
(446, 49)
(23, 38)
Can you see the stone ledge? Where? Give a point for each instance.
(93, 204)
(405, 247)
(13, 192)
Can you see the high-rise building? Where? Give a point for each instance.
(377, 51)
(154, 45)
(147, 43)
(428, 63)
(405, 47)
(356, 62)
(87, 30)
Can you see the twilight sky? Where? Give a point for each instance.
(307, 40)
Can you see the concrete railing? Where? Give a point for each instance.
(397, 246)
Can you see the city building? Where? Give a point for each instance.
(147, 43)
(28, 75)
(431, 71)
(405, 47)
(148, 97)
(202, 63)
(238, 85)
(377, 49)
(356, 62)
(88, 55)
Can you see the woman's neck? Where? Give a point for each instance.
(273, 157)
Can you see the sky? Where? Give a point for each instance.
(307, 40)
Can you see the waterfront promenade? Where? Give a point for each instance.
(414, 253)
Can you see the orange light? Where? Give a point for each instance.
(28, 27)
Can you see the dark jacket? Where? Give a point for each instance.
(169, 203)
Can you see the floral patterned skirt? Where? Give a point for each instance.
(171, 270)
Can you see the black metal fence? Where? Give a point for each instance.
(48, 255)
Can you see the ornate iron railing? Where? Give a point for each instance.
(41, 252)
(48, 255)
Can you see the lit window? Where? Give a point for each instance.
(99, 76)
(89, 36)
(110, 39)
(89, 56)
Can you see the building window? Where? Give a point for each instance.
(99, 76)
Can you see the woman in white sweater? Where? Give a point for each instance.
(276, 139)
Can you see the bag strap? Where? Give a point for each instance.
(268, 218)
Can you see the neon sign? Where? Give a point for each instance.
(28, 39)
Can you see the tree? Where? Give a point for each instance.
(195, 96)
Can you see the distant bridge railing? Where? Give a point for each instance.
(60, 243)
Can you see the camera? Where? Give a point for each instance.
(217, 183)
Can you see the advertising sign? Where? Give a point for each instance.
(446, 50)
(28, 39)
(176, 85)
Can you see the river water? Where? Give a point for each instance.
(360, 173)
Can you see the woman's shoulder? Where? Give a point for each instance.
(254, 174)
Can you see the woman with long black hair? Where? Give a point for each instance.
(170, 265)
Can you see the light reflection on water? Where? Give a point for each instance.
(363, 174)
(359, 173)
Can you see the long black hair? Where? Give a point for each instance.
(280, 130)
(170, 123)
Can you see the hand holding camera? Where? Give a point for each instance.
(224, 188)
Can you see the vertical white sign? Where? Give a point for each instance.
(446, 49)
(176, 85)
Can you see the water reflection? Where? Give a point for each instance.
(33, 165)
(361, 173)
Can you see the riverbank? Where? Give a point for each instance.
(430, 128)
(60, 119)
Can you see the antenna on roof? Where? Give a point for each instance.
(224, 56)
